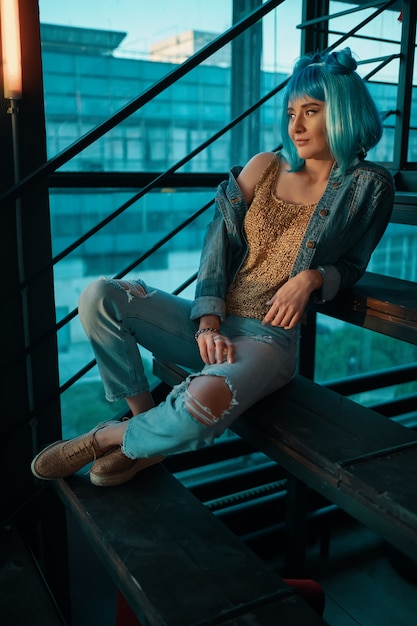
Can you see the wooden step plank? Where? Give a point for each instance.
(381, 303)
(317, 452)
(172, 559)
(389, 482)
(321, 426)
(357, 497)
(387, 294)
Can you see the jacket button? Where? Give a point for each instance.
(336, 185)
(311, 244)
(324, 212)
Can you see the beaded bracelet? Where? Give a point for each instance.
(205, 330)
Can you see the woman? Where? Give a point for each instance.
(289, 229)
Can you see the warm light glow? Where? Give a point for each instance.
(10, 40)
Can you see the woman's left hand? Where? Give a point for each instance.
(288, 304)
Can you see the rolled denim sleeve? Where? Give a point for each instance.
(208, 305)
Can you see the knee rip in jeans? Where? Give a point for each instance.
(133, 288)
(208, 398)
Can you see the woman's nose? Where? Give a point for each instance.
(297, 125)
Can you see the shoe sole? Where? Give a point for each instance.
(123, 477)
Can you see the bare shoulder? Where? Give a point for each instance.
(252, 172)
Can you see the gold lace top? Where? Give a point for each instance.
(274, 230)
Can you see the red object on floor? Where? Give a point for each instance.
(309, 590)
(124, 614)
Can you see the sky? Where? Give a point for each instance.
(145, 20)
(148, 21)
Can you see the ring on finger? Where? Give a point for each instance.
(217, 338)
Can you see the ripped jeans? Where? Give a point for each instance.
(119, 315)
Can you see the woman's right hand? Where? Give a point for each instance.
(215, 348)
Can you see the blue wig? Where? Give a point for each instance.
(353, 124)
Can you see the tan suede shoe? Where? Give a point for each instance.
(63, 458)
(115, 468)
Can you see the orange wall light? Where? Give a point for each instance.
(10, 40)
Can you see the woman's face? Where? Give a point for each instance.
(307, 128)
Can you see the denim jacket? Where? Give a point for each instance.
(348, 222)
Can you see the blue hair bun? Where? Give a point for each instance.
(341, 62)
